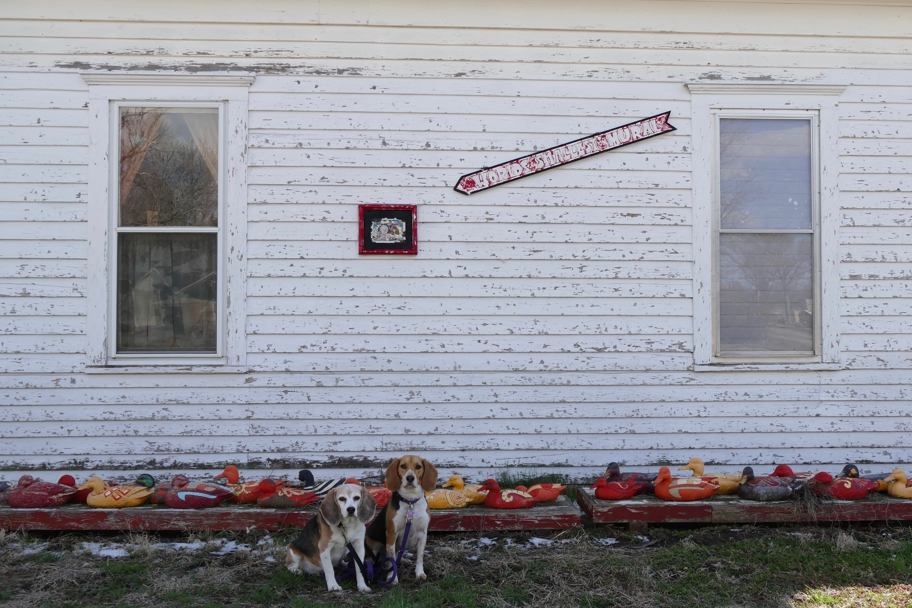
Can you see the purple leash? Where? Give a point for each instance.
(408, 526)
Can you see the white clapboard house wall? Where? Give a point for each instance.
(553, 324)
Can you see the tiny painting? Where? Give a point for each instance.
(388, 229)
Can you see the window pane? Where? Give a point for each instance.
(168, 166)
(766, 293)
(166, 293)
(765, 171)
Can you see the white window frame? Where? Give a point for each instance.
(710, 102)
(108, 93)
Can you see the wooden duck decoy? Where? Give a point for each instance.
(4, 492)
(896, 487)
(764, 489)
(104, 496)
(277, 496)
(185, 494)
(643, 481)
(446, 499)
(505, 499)
(472, 491)
(31, 494)
(381, 494)
(728, 482)
(681, 489)
(78, 495)
(614, 490)
(796, 480)
(543, 492)
(243, 491)
(320, 489)
(842, 487)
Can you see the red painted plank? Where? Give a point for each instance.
(558, 515)
(649, 510)
(733, 510)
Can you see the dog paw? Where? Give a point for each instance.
(421, 576)
(333, 587)
(364, 589)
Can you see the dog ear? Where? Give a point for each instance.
(429, 479)
(330, 509)
(367, 506)
(393, 481)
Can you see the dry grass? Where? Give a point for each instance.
(703, 567)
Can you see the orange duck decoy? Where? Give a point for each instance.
(244, 491)
(106, 496)
(381, 494)
(446, 499)
(766, 488)
(728, 482)
(31, 494)
(543, 492)
(185, 494)
(505, 499)
(847, 486)
(278, 496)
(472, 491)
(615, 490)
(642, 481)
(682, 489)
(897, 484)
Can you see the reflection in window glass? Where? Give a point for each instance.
(166, 292)
(766, 237)
(765, 172)
(168, 167)
(766, 292)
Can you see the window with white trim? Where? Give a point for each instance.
(167, 202)
(765, 224)
(765, 248)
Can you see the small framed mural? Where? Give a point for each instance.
(385, 229)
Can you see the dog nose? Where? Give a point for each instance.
(351, 510)
(410, 478)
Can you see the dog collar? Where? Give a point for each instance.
(411, 507)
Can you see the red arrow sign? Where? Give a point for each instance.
(563, 154)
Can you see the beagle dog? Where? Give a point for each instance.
(341, 519)
(408, 478)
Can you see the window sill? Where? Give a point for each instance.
(166, 367)
(767, 367)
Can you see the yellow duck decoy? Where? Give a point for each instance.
(897, 484)
(446, 499)
(104, 496)
(727, 482)
(469, 490)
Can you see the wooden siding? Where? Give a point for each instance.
(545, 324)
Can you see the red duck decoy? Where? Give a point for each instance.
(682, 489)
(796, 480)
(543, 492)
(31, 494)
(615, 490)
(843, 487)
(642, 481)
(764, 489)
(78, 496)
(185, 494)
(505, 499)
(245, 491)
(278, 496)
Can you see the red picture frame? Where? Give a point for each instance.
(387, 229)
